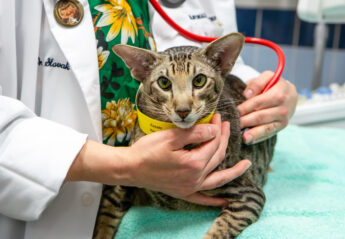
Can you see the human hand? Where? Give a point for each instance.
(158, 162)
(161, 164)
(269, 112)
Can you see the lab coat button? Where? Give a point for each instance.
(87, 199)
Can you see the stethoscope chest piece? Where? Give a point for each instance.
(172, 3)
(68, 13)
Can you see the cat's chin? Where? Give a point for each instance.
(184, 124)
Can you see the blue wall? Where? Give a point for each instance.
(296, 38)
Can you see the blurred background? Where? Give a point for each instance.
(312, 36)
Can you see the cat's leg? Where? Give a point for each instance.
(115, 202)
(245, 206)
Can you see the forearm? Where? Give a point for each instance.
(101, 163)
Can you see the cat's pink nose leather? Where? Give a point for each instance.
(183, 113)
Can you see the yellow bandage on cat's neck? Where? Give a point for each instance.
(149, 125)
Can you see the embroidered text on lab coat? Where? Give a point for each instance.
(51, 63)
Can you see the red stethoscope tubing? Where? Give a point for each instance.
(254, 40)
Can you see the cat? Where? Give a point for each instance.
(188, 83)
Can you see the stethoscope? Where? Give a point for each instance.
(254, 40)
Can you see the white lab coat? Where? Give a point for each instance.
(67, 99)
(30, 180)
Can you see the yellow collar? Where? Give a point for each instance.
(149, 125)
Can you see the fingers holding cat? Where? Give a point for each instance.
(218, 179)
(208, 180)
(161, 164)
(269, 112)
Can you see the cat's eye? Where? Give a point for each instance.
(199, 81)
(164, 83)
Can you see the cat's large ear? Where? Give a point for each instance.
(139, 61)
(223, 52)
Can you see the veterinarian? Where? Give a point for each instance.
(52, 109)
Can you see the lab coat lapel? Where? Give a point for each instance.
(76, 40)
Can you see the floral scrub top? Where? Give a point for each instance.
(115, 22)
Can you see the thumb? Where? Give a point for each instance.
(256, 85)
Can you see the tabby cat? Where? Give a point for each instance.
(182, 85)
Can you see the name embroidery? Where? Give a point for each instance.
(51, 63)
(198, 16)
(201, 16)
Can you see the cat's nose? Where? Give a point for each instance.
(183, 113)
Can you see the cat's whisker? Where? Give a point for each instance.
(149, 96)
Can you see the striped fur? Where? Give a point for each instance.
(245, 195)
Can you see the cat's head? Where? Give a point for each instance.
(183, 84)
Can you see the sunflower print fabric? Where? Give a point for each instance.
(118, 120)
(119, 15)
(119, 22)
